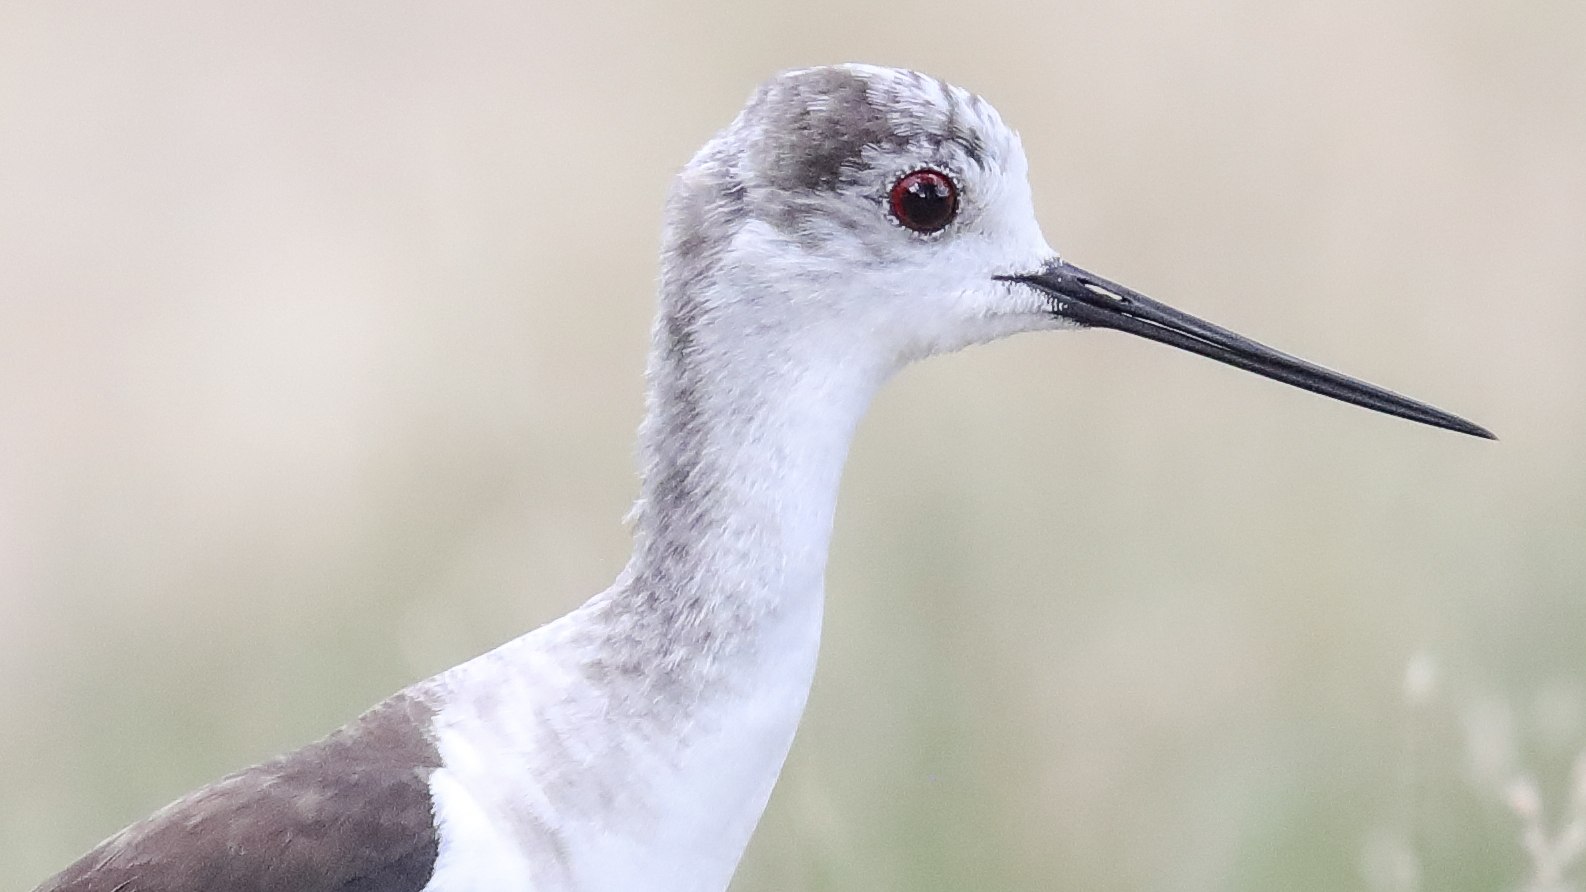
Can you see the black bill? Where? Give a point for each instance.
(1091, 300)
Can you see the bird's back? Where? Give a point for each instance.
(349, 813)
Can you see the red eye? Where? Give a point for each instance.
(925, 200)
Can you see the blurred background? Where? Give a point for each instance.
(322, 330)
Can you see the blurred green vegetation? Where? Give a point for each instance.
(322, 332)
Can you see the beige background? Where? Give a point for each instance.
(321, 339)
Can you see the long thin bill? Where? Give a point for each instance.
(1090, 300)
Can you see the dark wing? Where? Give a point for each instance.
(350, 813)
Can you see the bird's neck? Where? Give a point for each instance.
(643, 732)
(742, 450)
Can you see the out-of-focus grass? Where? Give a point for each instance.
(321, 336)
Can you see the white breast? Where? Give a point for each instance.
(538, 793)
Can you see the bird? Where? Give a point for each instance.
(851, 220)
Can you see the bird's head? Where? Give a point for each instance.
(886, 216)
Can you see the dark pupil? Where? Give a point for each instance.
(925, 202)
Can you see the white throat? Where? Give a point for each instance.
(702, 653)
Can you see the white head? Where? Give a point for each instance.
(791, 208)
(874, 216)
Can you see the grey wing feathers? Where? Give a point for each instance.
(350, 813)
